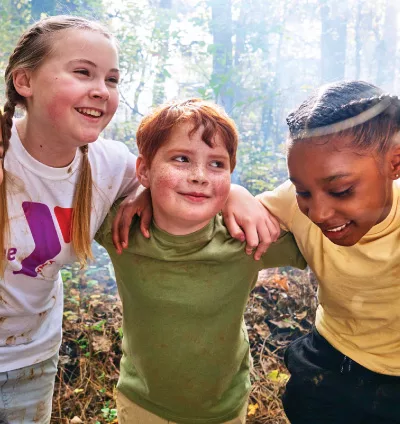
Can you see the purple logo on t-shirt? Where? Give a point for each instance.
(44, 234)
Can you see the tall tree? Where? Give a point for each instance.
(358, 38)
(221, 29)
(386, 48)
(161, 37)
(333, 39)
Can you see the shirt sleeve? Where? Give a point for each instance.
(104, 232)
(282, 203)
(284, 252)
(129, 182)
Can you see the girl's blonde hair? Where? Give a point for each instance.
(4, 228)
(32, 48)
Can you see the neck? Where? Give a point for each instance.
(388, 203)
(47, 150)
(178, 228)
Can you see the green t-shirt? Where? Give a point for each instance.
(185, 345)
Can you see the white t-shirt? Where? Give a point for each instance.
(40, 201)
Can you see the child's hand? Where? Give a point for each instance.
(139, 204)
(247, 219)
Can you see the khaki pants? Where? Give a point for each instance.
(130, 413)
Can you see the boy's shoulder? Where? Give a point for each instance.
(211, 243)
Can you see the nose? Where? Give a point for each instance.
(100, 91)
(198, 175)
(319, 211)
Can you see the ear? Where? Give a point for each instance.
(142, 171)
(22, 82)
(395, 161)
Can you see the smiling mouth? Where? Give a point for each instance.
(337, 229)
(89, 112)
(196, 195)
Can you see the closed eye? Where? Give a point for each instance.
(113, 80)
(82, 71)
(343, 193)
(303, 194)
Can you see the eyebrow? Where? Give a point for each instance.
(89, 62)
(188, 151)
(326, 179)
(335, 177)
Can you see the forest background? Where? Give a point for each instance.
(258, 59)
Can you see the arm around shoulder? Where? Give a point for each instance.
(281, 202)
(284, 252)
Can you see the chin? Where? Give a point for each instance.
(345, 243)
(88, 137)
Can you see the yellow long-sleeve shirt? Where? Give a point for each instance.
(359, 286)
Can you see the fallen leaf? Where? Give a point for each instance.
(76, 420)
(262, 330)
(282, 324)
(278, 376)
(252, 409)
(301, 315)
(281, 281)
(101, 343)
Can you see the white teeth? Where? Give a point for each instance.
(87, 111)
(336, 229)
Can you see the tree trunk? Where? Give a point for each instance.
(358, 42)
(161, 31)
(333, 39)
(386, 48)
(240, 33)
(221, 28)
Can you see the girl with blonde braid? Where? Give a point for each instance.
(4, 233)
(62, 180)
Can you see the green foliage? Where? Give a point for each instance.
(99, 326)
(269, 61)
(109, 414)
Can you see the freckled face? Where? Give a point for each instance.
(74, 92)
(189, 181)
(342, 191)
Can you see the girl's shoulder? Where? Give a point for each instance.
(108, 147)
(281, 202)
(397, 187)
(110, 155)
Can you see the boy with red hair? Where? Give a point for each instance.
(185, 349)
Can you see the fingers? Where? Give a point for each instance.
(273, 227)
(268, 233)
(125, 223)
(233, 227)
(145, 220)
(115, 231)
(121, 225)
(251, 233)
(266, 238)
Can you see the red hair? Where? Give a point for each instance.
(156, 127)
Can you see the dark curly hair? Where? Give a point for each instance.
(356, 108)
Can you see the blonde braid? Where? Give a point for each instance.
(82, 207)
